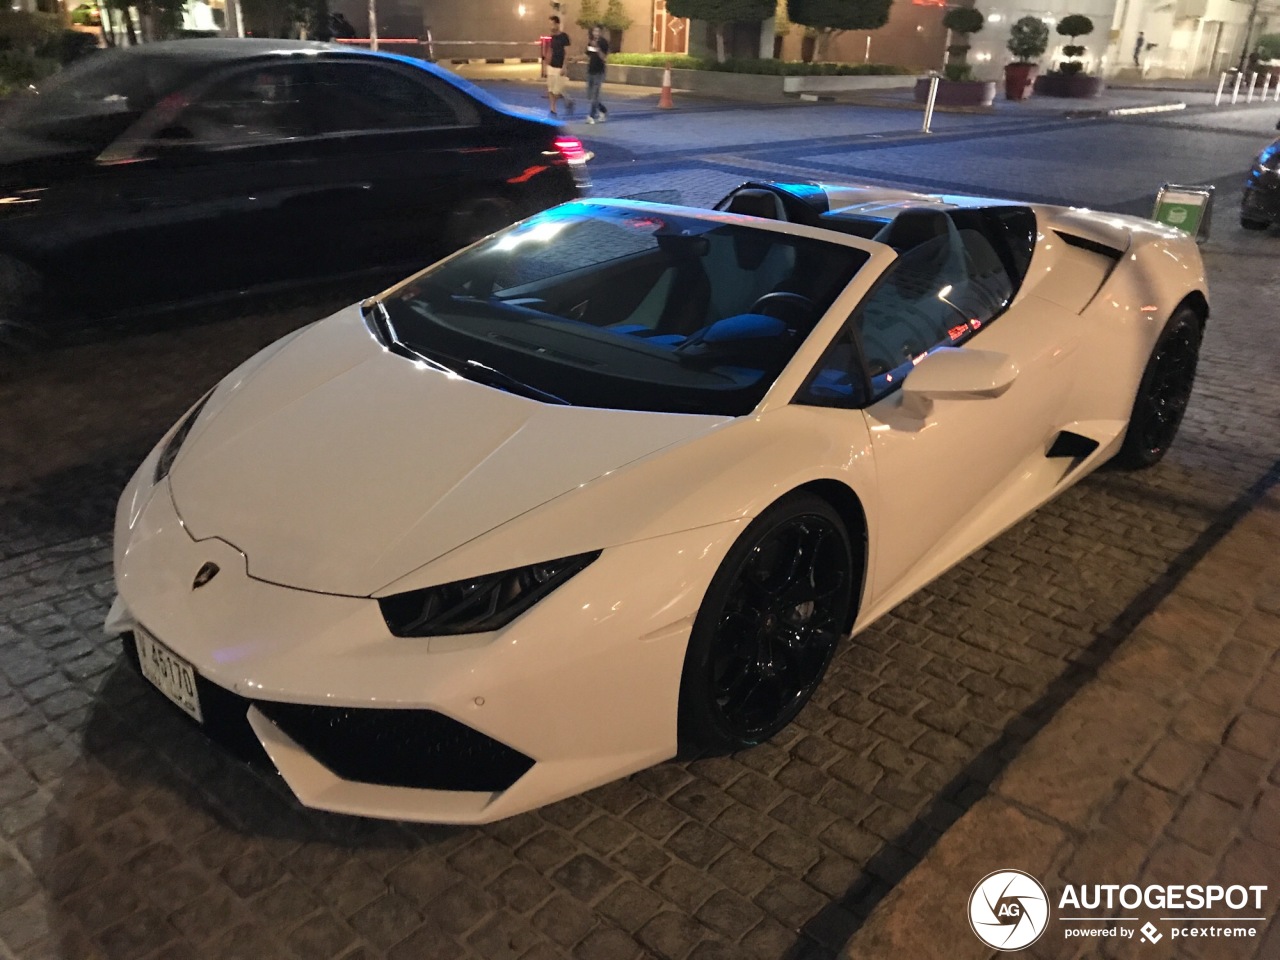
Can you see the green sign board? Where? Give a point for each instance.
(1186, 208)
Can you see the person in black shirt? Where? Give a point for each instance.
(555, 68)
(597, 57)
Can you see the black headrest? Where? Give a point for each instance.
(756, 203)
(914, 226)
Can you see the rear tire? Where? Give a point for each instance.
(768, 626)
(1164, 392)
(19, 298)
(476, 217)
(1251, 224)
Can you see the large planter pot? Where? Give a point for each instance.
(1069, 85)
(1018, 80)
(958, 93)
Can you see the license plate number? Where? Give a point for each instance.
(168, 672)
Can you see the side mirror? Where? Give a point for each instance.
(956, 373)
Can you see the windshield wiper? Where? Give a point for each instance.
(376, 313)
(483, 373)
(381, 321)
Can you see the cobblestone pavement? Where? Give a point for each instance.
(1164, 770)
(123, 834)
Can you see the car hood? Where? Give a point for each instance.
(337, 466)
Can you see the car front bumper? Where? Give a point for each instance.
(579, 690)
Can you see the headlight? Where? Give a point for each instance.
(479, 605)
(170, 451)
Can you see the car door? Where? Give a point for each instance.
(939, 473)
(406, 148)
(216, 190)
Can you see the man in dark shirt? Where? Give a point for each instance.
(597, 57)
(555, 68)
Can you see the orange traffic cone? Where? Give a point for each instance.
(664, 101)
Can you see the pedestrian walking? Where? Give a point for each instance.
(1137, 48)
(597, 57)
(555, 68)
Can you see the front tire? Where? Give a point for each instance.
(1164, 392)
(768, 626)
(1249, 223)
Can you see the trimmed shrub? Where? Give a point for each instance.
(772, 68)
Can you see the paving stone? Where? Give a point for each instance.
(1141, 811)
(563, 920)
(630, 905)
(605, 943)
(585, 877)
(1234, 776)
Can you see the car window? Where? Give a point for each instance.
(838, 379)
(355, 96)
(627, 308)
(260, 105)
(94, 100)
(912, 309)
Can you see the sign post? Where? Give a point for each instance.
(1189, 208)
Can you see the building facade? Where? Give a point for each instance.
(1179, 38)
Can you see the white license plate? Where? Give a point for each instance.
(172, 675)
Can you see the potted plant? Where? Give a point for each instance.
(1070, 80)
(1028, 40)
(959, 88)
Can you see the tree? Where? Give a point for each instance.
(1268, 46)
(588, 14)
(1074, 25)
(615, 17)
(1028, 39)
(961, 21)
(719, 12)
(829, 18)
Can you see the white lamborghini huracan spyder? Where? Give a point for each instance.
(612, 484)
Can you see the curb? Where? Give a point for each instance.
(460, 60)
(1126, 111)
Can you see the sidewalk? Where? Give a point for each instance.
(1164, 769)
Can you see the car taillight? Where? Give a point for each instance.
(570, 149)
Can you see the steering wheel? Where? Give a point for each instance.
(802, 306)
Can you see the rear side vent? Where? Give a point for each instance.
(1093, 246)
(1072, 446)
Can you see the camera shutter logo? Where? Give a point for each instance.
(1008, 910)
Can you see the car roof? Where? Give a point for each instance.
(226, 50)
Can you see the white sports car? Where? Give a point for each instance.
(612, 484)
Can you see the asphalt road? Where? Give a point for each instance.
(124, 834)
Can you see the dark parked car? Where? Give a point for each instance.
(174, 171)
(1261, 204)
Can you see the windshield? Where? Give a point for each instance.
(94, 100)
(626, 308)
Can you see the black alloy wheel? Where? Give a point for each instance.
(769, 624)
(1165, 391)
